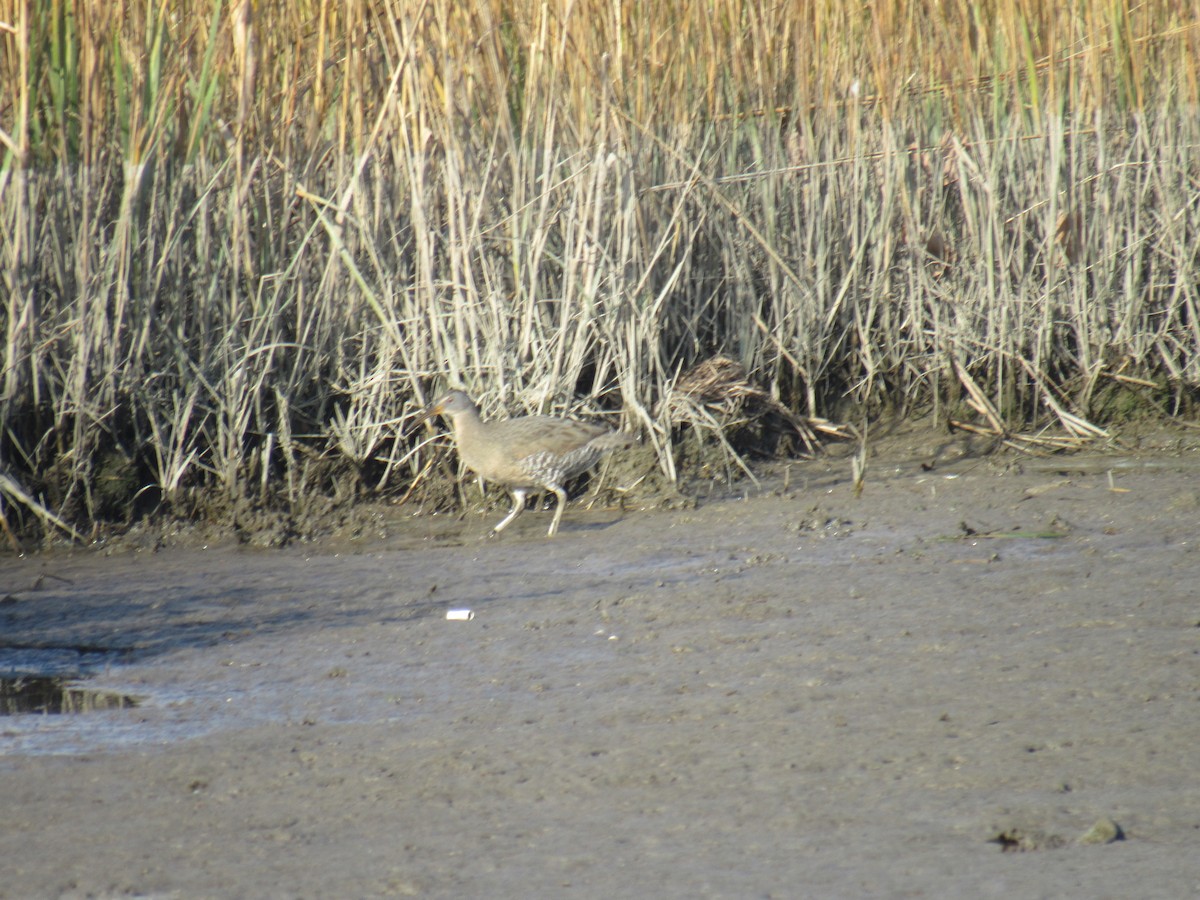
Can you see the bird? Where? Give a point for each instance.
(530, 453)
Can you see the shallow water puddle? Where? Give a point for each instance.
(55, 695)
(51, 681)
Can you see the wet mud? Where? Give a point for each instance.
(979, 678)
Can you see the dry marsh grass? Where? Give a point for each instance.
(242, 242)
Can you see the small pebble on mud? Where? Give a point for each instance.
(1105, 831)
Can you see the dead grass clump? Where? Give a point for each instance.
(717, 400)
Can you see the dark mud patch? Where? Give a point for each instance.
(633, 479)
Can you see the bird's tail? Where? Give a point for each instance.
(615, 440)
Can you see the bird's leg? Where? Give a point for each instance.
(518, 496)
(558, 510)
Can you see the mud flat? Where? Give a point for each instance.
(977, 679)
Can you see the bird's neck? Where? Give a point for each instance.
(467, 423)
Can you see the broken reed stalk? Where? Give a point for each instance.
(15, 492)
(1079, 431)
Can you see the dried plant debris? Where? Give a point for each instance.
(1020, 839)
(718, 394)
(1079, 432)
